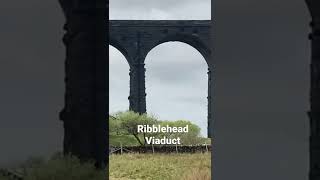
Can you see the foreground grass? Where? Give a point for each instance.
(160, 167)
(58, 168)
(67, 168)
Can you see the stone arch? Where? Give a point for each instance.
(188, 39)
(198, 95)
(123, 50)
(135, 38)
(116, 80)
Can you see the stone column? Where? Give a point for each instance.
(210, 102)
(137, 96)
(314, 114)
(86, 101)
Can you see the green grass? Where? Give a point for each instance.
(68, 168)
(122, 167)
(160, 167)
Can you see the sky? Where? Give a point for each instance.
(176, 81)
(261, 54)
(160, 10)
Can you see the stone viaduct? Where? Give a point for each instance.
(136, 38)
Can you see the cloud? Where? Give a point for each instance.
(155, 9)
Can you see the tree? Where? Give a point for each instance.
(128, 121)
(115, 126)
(192, 137)
(125, 123)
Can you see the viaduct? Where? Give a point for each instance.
(135, 39)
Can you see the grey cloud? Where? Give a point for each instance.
(143, 4)
(165, 9)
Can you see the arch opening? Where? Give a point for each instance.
(177, 83)
(191, 40)
(119, 80)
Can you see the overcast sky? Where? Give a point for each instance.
(160, 10)
(176, 73)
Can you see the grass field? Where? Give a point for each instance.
(160, 167)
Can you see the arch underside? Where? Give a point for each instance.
(191, 40)
(119, 47)
(118, 80)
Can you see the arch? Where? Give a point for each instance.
(167, 88)
(119, 72)
(191, 40)
(118, 46)
(136, 39)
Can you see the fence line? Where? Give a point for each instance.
(160, 149)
